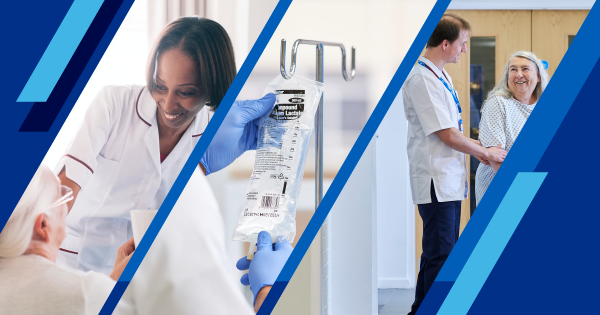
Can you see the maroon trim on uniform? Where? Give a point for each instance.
(70, 252)
(136, 108)
(198, 135)
(80, 161)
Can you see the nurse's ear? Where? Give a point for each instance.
(41, 228)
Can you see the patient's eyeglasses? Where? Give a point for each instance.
(66, 196)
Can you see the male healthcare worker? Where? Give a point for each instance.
(436, 147)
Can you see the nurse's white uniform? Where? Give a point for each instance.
(115, 159)
(430, 107)
(187, 270)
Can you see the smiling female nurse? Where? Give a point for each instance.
(134, 140)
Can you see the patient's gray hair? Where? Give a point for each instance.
(502, 88)
(42, 191)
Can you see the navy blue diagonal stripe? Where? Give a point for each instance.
(197, 153)
(61, 101)
(354, 156)
(534, 138)
(60, 50)
(43, 114)
(528, 149)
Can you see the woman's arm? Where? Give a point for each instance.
(459, 142)
(261, 296)
(492, 131)
(123, 255)
(202, 168)
(64, 180)
(76, 167)
(495, 165)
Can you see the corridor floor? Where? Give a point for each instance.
(395, 301)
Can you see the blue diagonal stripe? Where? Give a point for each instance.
(354, 156)
(59, 51)
(492, 243)
(194, 159)
(534, 138)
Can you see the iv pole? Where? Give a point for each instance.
(326, 227)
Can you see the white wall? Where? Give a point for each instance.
(521, 5)
(382, 32)
(395, 210)
(354, 241)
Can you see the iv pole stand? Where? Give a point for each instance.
(326, 227)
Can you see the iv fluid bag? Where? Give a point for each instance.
(283, 141)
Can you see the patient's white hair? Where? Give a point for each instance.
(43, 190)
(502, 88)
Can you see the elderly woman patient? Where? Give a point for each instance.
(30, 280)
(507, 108)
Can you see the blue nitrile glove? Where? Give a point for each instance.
(237, 134)
(267, 262)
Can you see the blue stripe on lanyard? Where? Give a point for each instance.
(454, 94)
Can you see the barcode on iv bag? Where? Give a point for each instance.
(269, 202)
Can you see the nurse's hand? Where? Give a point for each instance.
(480, 159)
(123, 255)
(237, 134)
(496, 154)
(265, 266)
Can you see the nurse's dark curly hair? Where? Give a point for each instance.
(206, 42)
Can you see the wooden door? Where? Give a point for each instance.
(552, 31)
(512, 32)
(546, 33)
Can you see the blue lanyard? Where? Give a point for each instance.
(454, 95)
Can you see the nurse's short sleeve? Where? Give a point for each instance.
(80, 157)
(493, 122)
(429, 104)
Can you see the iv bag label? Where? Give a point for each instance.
(289, 105)
(282, 146)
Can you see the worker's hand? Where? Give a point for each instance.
(123, 255)
(237, 134)
(479, 158)
(266, 264)
(496, 154)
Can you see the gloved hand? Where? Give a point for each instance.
(237, 134)
(267, 262)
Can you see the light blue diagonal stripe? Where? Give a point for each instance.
(60, 50)
(492, 243)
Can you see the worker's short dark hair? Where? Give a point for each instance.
(448, 29)
(206, 42)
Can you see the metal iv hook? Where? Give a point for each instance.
(318, 43)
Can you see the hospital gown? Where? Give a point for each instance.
(501, 122)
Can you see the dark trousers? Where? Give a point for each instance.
(441, 224)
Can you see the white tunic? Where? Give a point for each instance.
(187, 270)
(115, 159)
(32, 284)
(501, 122)
(430, 107)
